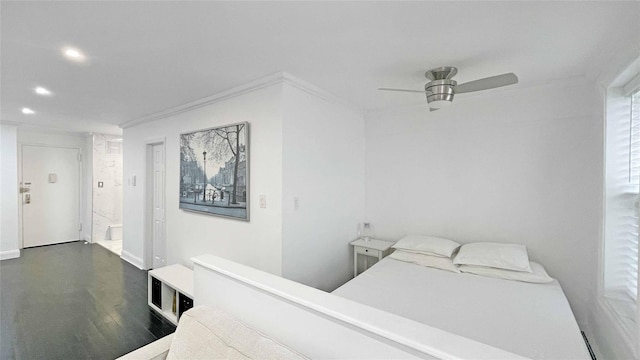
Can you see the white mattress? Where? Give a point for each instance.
(532, 320)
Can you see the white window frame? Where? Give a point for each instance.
(623, 317)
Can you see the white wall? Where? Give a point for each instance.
(9, 235)
(256, 243)
(524, 166)
(323, 168)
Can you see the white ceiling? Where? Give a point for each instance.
(145, 57)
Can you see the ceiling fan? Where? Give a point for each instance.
(441, 89)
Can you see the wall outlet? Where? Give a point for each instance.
(263, 201)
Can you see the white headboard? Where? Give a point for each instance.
(321, 325)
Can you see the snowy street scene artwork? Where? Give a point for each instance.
(214, 171)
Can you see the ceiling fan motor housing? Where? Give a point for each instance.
(440, 90)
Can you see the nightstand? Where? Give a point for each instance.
(370, 251)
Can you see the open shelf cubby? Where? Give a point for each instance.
(171, 291)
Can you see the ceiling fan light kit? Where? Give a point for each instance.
(441, 89)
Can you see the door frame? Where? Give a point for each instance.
(147, 246)
(81, 188)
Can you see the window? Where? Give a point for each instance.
(634, 144)
(621, 204)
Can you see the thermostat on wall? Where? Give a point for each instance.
(53, 178)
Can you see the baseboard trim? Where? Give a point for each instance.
(132, 259)
(9, 254)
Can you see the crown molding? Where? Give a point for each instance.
(320, 93)
(261, 83)
(632, 85)
(47, 130)
(224, 95)
(12, 123)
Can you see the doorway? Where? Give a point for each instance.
(107, 192)
(155, 242)
(50, 195)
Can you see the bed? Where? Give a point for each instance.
(322, 325)
(531, 320)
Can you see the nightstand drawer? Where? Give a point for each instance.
(369, 252)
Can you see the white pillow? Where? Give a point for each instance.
(438, 262)
(502, 256)
(538, 274)
(429, 245)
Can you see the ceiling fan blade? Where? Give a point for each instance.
(404, 90)
(487, 83)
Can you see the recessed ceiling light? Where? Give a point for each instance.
(42, 91)
(28, 111)
(73, 54)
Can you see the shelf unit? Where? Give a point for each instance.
(166, 284)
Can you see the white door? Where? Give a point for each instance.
(51, 207)
(159, 239)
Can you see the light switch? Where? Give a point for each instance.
(100, 184)
(263, 201)
(53, 178)
(296, 203)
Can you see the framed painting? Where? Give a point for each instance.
(214, 171)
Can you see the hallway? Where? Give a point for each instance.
(74, 301)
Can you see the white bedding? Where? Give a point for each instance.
(532, 320)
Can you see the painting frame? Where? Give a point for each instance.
(209, 197)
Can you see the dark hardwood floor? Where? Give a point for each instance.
(74, 301)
